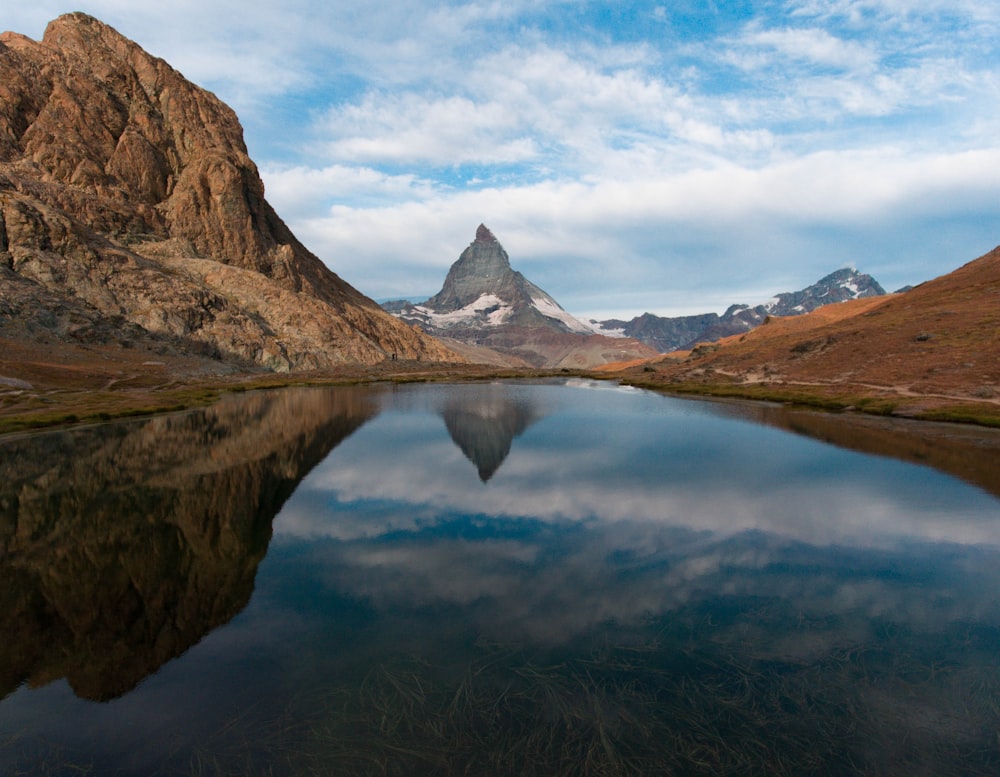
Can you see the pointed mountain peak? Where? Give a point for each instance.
(483, 235)
(483, 268)
(78, 31)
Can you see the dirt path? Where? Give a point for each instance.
(897, 389)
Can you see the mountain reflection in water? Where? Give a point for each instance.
(483, 423)
(645, 586)
(122, 545)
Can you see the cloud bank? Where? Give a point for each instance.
(669, 158)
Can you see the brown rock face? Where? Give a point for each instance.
(128, 192)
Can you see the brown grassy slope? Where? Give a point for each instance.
(930, 349)
(68, 383)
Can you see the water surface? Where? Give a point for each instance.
(498, 579)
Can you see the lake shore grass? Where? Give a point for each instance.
(832, 398)
(71, 398)
(66, 402)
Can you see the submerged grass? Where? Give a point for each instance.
(626, 711)
(696, 694)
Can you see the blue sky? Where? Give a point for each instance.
(663, 157)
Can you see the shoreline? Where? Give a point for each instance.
(29, 409)
(835, 398)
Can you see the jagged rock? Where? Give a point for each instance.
(127, 192)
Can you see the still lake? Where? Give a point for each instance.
(509, 578)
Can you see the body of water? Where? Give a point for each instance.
(490, 579)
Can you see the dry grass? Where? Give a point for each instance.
(66, 384)
(933, 352)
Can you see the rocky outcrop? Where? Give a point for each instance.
(127, 192)
(484, 269)
(838, 286)
(684, 332)
(485, 302)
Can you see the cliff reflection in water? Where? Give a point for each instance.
(122, 545)
(970, 453)
(484, 423)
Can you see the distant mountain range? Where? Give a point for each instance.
(484, 302)
(667, 334)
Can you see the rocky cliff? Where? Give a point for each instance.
(487, 303)
(130, 209)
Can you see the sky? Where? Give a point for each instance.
(631, 157)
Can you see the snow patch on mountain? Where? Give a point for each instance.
(487, 309)
(607, 331)
(549, 308)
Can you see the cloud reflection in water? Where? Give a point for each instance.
(613, 505)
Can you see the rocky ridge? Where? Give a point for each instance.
(668, 334)
(131, 213)
(485, 302)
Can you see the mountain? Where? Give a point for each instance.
(684, 332)
(132, 215)
(933, 349)
(486, 303)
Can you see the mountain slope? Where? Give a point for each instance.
(934, 346)
(127, 195)
(677, 333)
(485, 302)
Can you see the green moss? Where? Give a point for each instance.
(76, 406)
(981, 416)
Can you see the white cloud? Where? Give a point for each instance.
(412, 128)
(814, 46)
(696, 159)
(897, 11)
(623, 234)
(307, 191)
(514, 106)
